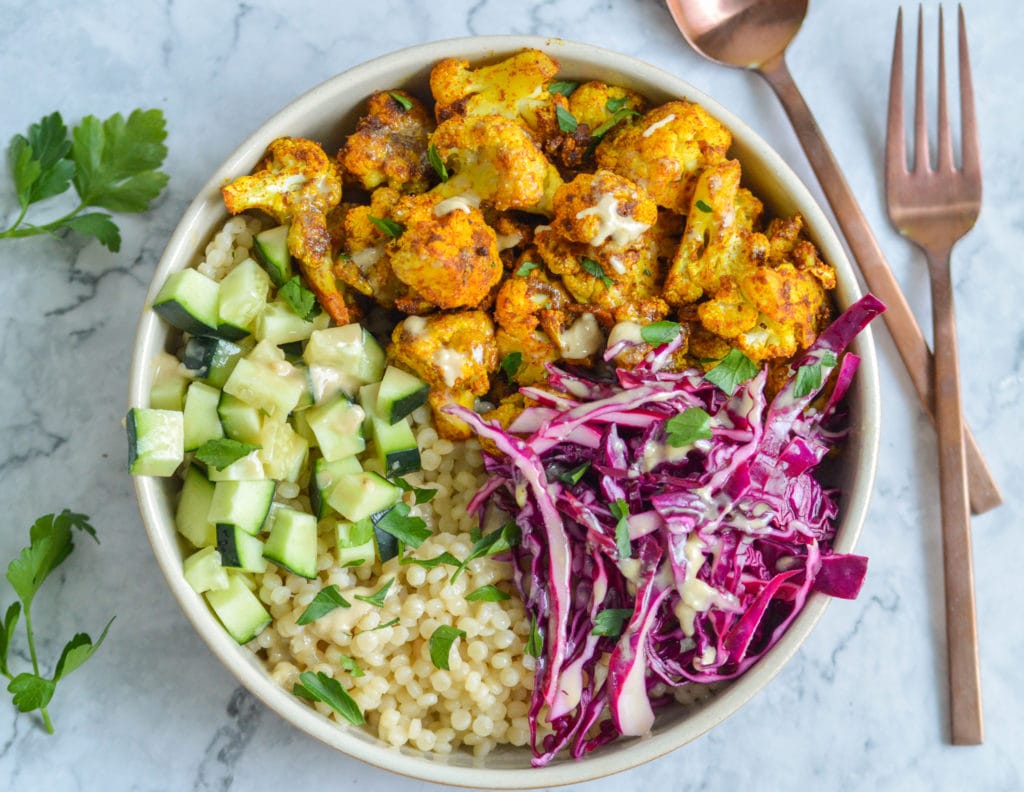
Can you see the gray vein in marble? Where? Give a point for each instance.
(216, 771)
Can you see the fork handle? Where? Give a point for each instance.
(961, 625)
(906, 333)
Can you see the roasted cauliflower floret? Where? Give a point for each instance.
(296, 182)
(496, 161)
(455, 354)
(519, 311)
(363, 262)
(446, 255)
(602, 208)
(666, 150)
(514, 88)
(599, 105)
(389, 145)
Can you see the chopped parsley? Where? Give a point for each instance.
(566, 121)
(591, 267)
(389, 227)
(733, 370)
(658, 333)
(325, 601)
(691, 424)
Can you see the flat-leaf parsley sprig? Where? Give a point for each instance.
(49, 546)
(112, 164)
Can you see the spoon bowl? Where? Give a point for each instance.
(743, 33)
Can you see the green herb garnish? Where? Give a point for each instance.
(440, 644)
(112, 165)
(810, 376)
(223, 451)
(50, 544)
(619, 115)
(620, 511)
(733, 370)
(488, 593)
(436, 162)
(404, 101)
(300, 299)
(573, 476)
(378, 597)
(320, 687)
(563, 87)
(498, 541)
(422, 494)
(658, 333)
(610, 622)
(615, 104)
(430, 563)
(691, 424)
(591, 267)
(511, 364)
(566, 121)
(412, 531)
(326, 600)
(386, 226)
(703, 206)
(525, 268)
(535, 641)
(390, 623)
(346, 663)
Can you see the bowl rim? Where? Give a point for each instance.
(180, 250)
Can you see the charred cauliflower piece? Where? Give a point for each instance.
(596, 103)
(519, 312)
(363, 262)
(389, 145)
(446, 255)
(297, 183)
(495, 160)
(666, 150)
(602, 208)
(455, 354)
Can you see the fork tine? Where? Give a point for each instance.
(945, 143)
(971, 156)
(921, 160)
(895, 134)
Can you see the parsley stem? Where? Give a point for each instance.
(18, 232)
(35, 663)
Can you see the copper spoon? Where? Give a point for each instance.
(754, 34)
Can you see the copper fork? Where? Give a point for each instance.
(934, 207)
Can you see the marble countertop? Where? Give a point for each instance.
(861, 706)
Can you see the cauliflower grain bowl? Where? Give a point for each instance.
(483, 675)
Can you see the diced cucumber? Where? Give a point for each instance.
(248, 468)
(191, 516)
(306, 399)
(156, 441)
(400, 393)
(211, 359)
(396, 447)
(242, 504)
(338, 427)
(292, 542)
(301, 425)
(368, 401)
(243, 296)
(279, 324)
(241, 421)
(204, 571)
(387, 544)
(201, 421)
(343, 358)
(188, 301)
(169, 384)
(239, 610)
(325, 475)
(266, 380)
(355, 543)
(356, 496)
(272, 250)
(282, 450)
(240, 550)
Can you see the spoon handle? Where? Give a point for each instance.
(906, 333)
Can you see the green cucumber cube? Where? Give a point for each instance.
(156, 441)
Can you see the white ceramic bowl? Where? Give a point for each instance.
(325, 113)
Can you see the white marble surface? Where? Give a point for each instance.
(862, 706)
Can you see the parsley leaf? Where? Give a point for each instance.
(619, 115)
(511, 364)
(77, 651)
(488, 593)
(31, 691)
(563, 87)
(389, 227)
(535, 641)
(440, 643)
(498, 541)
(326, 600)
(591, 267)
(300, 299)
(412, 531)
(10, 621)
(703, 206)
(610, 621)
(525, 268)
(436, 162)
(98, 225)
(346, 663)
(390, 623)
(734, 369)
(421, 494)
(620, 510)
(378, 597)
(223, 451)
(573, 476)
(810, 376)
(566, 121)
(320, 687)
(658, 333)
(39, 161)
(430, 563)
(691, 424)
(404, 101)
(616, 103)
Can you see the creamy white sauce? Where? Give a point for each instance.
(461, 203)
(625, 331)
(659, 124)
(415, 325)
(617, 265)
(541, 228)
(620, 228)
(508, 241)
(691, 595)
(582, 339)
(451, 363)
(367, 257)
(288, 184)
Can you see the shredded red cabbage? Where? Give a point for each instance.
(727, 536)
